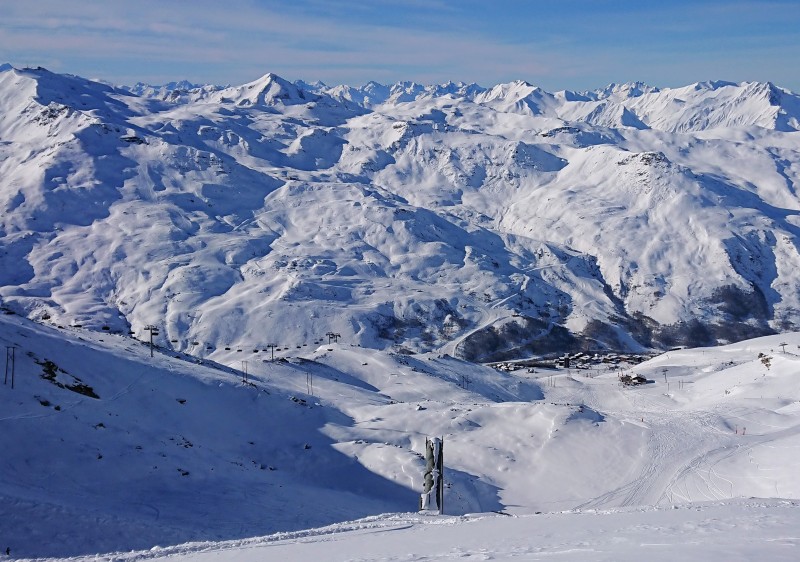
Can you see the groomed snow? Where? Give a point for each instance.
(738, 530)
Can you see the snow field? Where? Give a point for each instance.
(224, 212)
(179, 449)
(416, 224)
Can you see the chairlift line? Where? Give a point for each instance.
(153, 329)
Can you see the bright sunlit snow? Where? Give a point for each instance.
(335, 274)
(492, 223)
(175, 450)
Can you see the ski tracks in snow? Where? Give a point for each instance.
(680, 443)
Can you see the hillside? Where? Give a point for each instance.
(108, 449)
(484, 223)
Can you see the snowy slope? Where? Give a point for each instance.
(745, 530)
(423, 225)
(488, 223)
(107, 449)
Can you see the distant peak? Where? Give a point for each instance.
(268, 78)
(625, 90)
(269, 90)
(515, 86)
(182, 85)
(315, 86)
(713, 84)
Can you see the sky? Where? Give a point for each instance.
(575, 45)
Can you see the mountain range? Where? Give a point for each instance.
(232, 317)
(484, 223)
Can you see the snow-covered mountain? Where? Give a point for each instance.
(485, 223)
(181, 91)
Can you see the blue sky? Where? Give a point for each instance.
(556, 44)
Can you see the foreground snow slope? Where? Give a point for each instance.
(738, 530)
(106, 449)
(488, 223)
(167, 451)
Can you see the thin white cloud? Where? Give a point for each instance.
(257, 37)
(238, 40)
